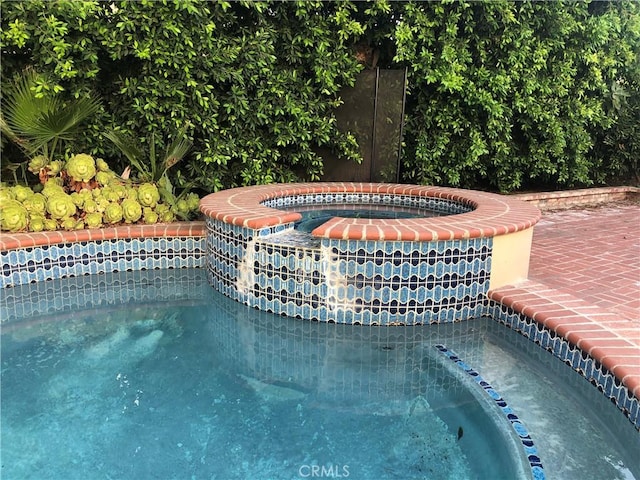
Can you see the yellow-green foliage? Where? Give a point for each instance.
(13, 216)
(81, 167)
(131, 210)
(93, 220)
(148, 195)
(36, 223)
(113, 213)
(36, 203)
(37, 163)
(76, 204)
(61, 206)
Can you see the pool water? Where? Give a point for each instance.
(185, 383)
(315, 215)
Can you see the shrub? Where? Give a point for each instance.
(61, 205)
(505, 94)
(261, 98)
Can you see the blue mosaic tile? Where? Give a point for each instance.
(528, 446)
(440, 205)
(298, 274)
(36, 264)
(570, 354)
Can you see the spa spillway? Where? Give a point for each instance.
(417, 255)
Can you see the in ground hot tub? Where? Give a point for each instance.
(433, 263)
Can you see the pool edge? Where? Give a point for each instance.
(532, 308)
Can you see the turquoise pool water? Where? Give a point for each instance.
(154, 375)
(315, 215)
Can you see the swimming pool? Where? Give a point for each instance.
(147, 372)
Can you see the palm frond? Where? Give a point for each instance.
(165, 187)
(127, 146)
(8, 131)
(62, 124)
(178, 149)
(149, 168)
(37, 120)
(152, 159)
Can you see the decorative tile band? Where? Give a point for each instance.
(440, 205)
(579, 360)
(285, 271)
(46, 262)
(527, 443)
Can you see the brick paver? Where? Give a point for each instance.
(593, 254)
(584, 283)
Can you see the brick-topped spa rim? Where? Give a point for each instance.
(491, 214)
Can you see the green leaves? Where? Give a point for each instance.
(258, 80)
(38, 121)
(503, 94)
(506, 95)
(149, 167)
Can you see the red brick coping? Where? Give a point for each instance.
(492, 215)
(585, 197)
(603, 335)
(11, 241)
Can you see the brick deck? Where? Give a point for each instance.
(584, 282)
(593, 254)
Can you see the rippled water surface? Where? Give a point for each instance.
(154, 375)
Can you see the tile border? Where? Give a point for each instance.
(28, 257)
(348, 281)
(519, 428)
(581, 343)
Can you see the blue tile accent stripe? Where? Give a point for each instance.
(37, 264)
(285, 271)
(440, 205)
(527, 443)
(579, 360)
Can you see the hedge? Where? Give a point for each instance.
(504, 95)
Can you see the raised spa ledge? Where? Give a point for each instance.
(435, 266)
(491, 214)
(507, 220)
